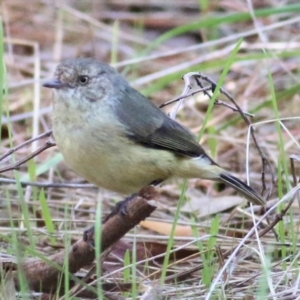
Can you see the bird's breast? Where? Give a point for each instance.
(104, 155)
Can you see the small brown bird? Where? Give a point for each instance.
(114, 137)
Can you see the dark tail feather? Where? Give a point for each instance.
(243, 188)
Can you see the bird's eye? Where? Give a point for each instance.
(83, 79)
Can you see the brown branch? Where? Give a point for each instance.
(44, 276)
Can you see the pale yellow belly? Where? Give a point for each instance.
(124, 169)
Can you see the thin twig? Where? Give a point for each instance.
(13, 150)
(17, 165)
(202, 89)
(294, 157)
(221, 103)
(185, 96)
(49, 184)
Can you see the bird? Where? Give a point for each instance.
(116, 138)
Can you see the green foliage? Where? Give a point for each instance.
(46, 214)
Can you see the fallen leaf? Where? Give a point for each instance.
(165, 228)
(203, 206)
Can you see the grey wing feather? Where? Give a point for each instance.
(155, 129)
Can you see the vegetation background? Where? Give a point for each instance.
(153, 43)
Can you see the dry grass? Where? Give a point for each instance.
(39, 34)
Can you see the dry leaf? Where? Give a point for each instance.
(203, 205)
(165, 228)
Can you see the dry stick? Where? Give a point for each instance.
(43, 277)
(204, 90)
(17, 165)
(11, 151)
(294, 158)
(50, 184)
(185, 96)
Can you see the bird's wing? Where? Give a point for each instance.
(148, 125)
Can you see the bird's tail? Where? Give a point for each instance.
(206, 168)
(243, 188)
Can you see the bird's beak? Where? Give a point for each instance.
(54, 84)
